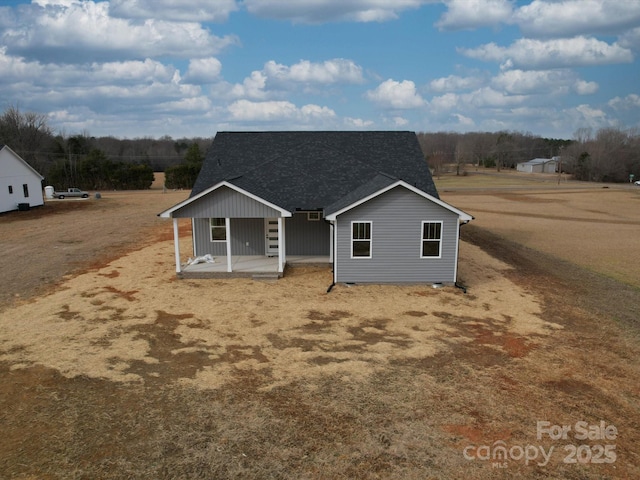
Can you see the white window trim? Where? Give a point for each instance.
(310, 216)
(211, 227)
(370, 240)
(422, 240)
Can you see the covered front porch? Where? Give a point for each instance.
(247, 235)
(258, 266)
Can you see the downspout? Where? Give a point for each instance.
(333, 259)
(455, 283)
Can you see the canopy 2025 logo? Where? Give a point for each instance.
(576, 446)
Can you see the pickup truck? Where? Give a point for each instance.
(71, 192)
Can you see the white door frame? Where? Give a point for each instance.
(269, 249)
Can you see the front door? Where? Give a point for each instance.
(271, 236)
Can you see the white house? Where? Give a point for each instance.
(20, 184)
(539, 165)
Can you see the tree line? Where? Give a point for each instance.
(92, 163)
(499, 150)
(88, 162)
(604, 155)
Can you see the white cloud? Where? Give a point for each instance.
(583, 87)
(627, 103)
(454, 83)
(192, 104)
(16, 69)
(337, 70)
(60, 77)
(320, 11)
(74, 32)
(537, 54)
(544, 18)
(399, 121)
(203, 70)
(136, 124)
(488, 97)
(56, 3)
(485, 98)
(358, 123)
(464, 121)
(534, 81)
(276, 78)
(393, 94)
(316, 111)
(587, 116)
(128, 90)
(471, 14)
(444, 103)
(630, 39)
(128, 72)
(252, 87)
(183, 11)
(245, 110)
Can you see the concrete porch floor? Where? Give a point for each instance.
(248, 266)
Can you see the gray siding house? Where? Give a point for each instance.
(363, 201)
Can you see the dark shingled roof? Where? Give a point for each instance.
(314, 170)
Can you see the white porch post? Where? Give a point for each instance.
(176, 243)
(227, 224)
(281, 245)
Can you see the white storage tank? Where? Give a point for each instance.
(48, 191)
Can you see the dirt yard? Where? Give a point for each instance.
(110, 367)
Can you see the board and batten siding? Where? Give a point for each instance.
(225, 202)
(397, 217)
(305, 237)
(247, 237)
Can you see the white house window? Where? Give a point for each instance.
(313, 216)
(218, 230)
(360, 239)
(431, 240)
(25, 189)
(10, 189)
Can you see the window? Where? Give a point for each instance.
(360, 239)
(10, 189)
(218, 230)
(313, 216)
(25, 189)
(431, 239)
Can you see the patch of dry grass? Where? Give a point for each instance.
(124, 321)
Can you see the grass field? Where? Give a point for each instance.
(596, 226)
(119, 370)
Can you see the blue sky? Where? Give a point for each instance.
(134, 68)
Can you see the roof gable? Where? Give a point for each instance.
(463, 216)
(189, 201)
(20, 160)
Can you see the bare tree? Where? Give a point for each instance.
(463, 153)
(436, 162)
(28, 134)
(503, 148)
